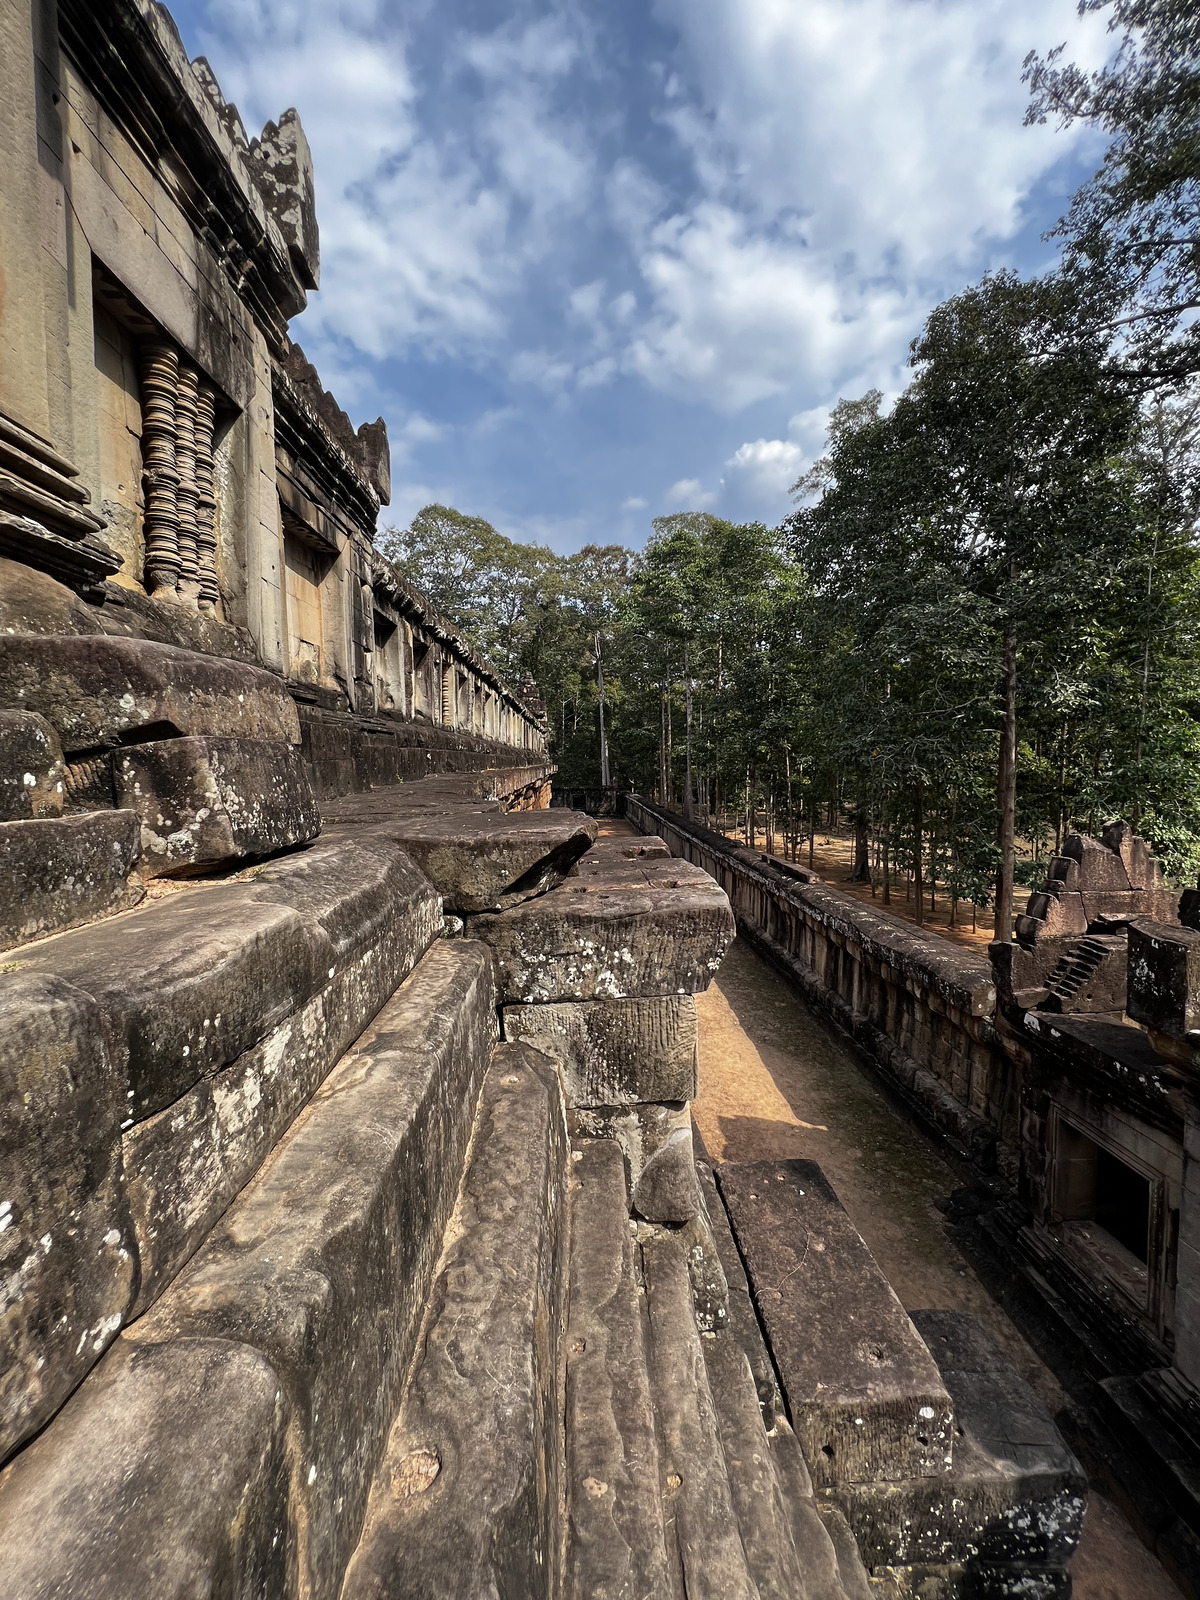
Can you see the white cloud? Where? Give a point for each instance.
(764, 469)
(634, 503)
(689, 494)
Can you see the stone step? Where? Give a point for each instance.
(467, 1501)
(227, 1443)
(61, 872)
(477, 860)
(780, 1514)
(615, 1535)
(204, 803)
(97, 691)
(1009, 1510)
(623, 930)
(863, 1392)
(615, 1052)
(701, 1519)
(210, 1017)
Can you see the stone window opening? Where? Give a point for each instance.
(1107, 1210)
(389, 670)
(306, 565)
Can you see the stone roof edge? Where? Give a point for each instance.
(408, 598)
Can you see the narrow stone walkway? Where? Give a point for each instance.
(777, 1081)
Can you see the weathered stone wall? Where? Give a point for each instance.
(921, 1008)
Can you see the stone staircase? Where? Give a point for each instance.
(353, 1241)
(1069, 983)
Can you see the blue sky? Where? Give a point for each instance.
(596, 260)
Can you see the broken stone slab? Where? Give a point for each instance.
(629, 931)
(1013, 1501)
(31, 768)
(697, 1499)
(740, 1315)
(865, 1396)
(615, 1052)
(1164, 979)
(467, 1499)
(95, 690)
(656, 1142)
(58, 872)
(187, 984)
(185, 1164)
(487, 861)
(66, 1244)
(324, 1261)
(204, 803)
(764, 1524)
(616, 1546)
(164, 1475)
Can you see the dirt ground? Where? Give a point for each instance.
(777, 1081)
(833, 858)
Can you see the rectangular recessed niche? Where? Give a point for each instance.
(1105, 1206)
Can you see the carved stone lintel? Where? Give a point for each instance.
(186, 496)
(206, 502)
(160, 382)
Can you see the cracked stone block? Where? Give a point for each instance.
(626, 930)
(323, 1263)
(467, 1499)
(615, 1052)
(56, 872)
(66, 1247)
(483, 860)
(204, 803)
(656, 1141)
(166, 1474)
(1164, 979)
(378, 916)
(31, 768)
(1012, 1502)
(96, 690)
(865, 1396)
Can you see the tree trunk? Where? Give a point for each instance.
(603, 734)
(812, 833)
(1006, 793)
(862, 844)
(917, 863)
(662, 748)
(688, 804)
(887, 867)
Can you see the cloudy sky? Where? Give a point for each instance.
(595, 260)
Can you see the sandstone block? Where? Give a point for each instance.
(626, 930)
(1164, 979)
(66, 1247)
(56, 872)
(93, 690)
(865, 1396)
(323, 1263)
(186, 1163)
(467, 1499)
(697, 1499)
(615, 1535)
(1099, 868)
(656, 1142)
(484, 861)
(186, 985)
(204, 802)
(164, 1475)
(1015, 1495)
(31, 768)
(615, 1052)
(1059, 916)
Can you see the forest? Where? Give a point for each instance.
(979, 627)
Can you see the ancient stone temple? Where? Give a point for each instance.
(353, 1240)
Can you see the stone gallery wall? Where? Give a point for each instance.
(924, 1010)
